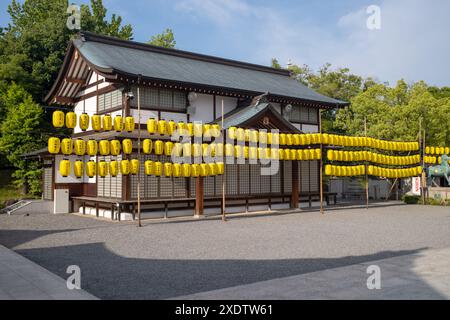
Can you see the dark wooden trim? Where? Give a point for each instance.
(64, 100)
(74, 80)
(93, 84)
(199, 195)
(110, 88)
(295, 185)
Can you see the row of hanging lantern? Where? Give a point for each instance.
(91, 147)
(352, 171)
(432, 160)
(394, 173)
(163, 127)
(353, 156)
(96, 121)
(114, 147)
(344, 171)
(437, 150)
(126, 167)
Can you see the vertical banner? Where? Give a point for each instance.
(415, 185)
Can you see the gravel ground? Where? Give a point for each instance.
(157, 261)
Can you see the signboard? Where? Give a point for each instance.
(416, 186)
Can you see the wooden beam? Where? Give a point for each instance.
(75, 80)
(199, 196)
(64, 100)
(295, 185)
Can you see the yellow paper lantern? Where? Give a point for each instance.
(195, 170)
(104, 147)
(162, 126)
(168, 147)
(274, 154)
(129, 124)
(114, 168)
(114, 146)
(151, 126)
(318, 154)
(238, 151)
(262, 137)
(187, 150)
(198, 130)
(107, 122)
(92, 147)
(147, 146)
(220, 168)
(280, 154)
(171, 127)
(125, 167)
(159, 147)
(168, 169)
(158, 169)
(66, 146)
(204, 170)
(253, 153)
(328, 170)
(84, 121)
(102, 169)
(134, 166)
(80, 147)
(71, 120)
(232, 133)
(212, 169)
(96, 122)
(54, 145)
(229, 150)
(282, 141)
(240, 134)
(253, 136)
(127, 146)
(91, 168)
(64, 167)
(275, 138)
(149, 167)
(78, 167)
(190, 129)
(176, 170)
(118, 123)
(186, 170)
(215, 130)
(58, 119)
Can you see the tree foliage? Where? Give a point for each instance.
(166, 39)
(22, 132)
(32, 49)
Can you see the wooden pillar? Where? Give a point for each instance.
(295, 185)
(199, 195)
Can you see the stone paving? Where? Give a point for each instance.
(21, 279)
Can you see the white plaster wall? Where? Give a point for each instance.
(204, 110)
(310, 128)
(229, 104)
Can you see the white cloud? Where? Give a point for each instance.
(412, 43)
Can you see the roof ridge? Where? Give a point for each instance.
(90, 36)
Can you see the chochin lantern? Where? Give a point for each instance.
(64, 167)
(58, 119)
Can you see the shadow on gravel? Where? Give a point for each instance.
(109, 276)
(13, 238)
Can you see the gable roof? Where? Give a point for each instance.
(115, 58)
(251, 115)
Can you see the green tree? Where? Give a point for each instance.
(275, 64)
(21, 132)
(166, 39)
(32, 48)
(394, 113)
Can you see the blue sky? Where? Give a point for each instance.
(411, 44)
